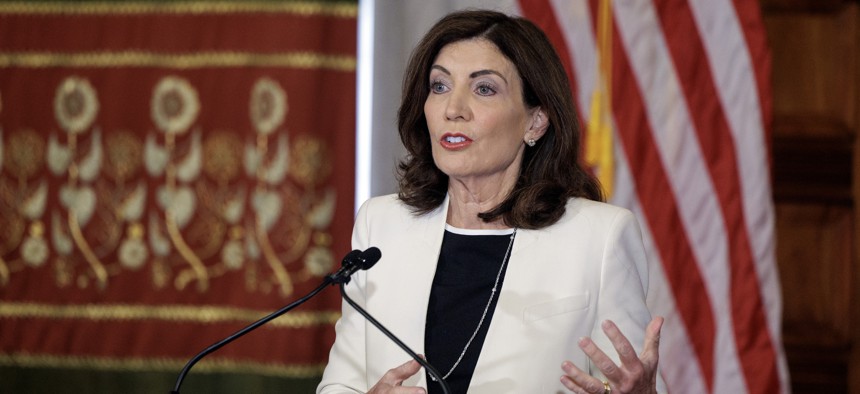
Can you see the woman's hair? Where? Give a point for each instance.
(550, 173)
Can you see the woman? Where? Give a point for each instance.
(499, 263)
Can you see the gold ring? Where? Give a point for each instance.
(606, 388)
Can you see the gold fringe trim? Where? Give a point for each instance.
(300, 8)
(136, 364)
(298, 60)
(204, 314)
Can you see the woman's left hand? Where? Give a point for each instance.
(637, 374)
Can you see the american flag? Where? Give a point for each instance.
(676, 99)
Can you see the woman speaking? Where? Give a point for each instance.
(500, 263)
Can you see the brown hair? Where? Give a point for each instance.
(550, 173)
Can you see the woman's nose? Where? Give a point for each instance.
(457, 106)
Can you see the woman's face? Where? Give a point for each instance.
(475, 112)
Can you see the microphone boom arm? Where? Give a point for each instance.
(352, 262)
(432, 371)
(328, 281)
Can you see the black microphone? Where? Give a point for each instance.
(365, 260)
(352, 262)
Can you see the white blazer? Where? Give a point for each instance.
(561, 283)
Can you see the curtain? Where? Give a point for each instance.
(169, 173)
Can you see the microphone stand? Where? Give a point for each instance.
(432, 371)
(328, 281)
(355, 260)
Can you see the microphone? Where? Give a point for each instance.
(352, 262)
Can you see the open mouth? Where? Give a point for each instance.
(456, 141)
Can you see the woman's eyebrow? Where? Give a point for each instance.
(440, 68)
(487, 72)
(472, 75)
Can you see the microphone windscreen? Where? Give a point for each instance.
(369, 257)
(350, 258)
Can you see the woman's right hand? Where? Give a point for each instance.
(392, 381)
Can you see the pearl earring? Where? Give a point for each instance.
(531, 142)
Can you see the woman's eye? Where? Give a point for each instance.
(437, 87)
(485, 90)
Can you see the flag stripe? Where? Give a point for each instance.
(749, 15)
(690, 182)
(661, 210)
(730, 61)
(736, 47)
(754, 344)
(675, 341)
(755, 159)
(541, 13)
(575, 23)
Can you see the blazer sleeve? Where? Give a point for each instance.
(623, 289)
(347, 362)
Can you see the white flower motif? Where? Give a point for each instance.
(59, 156)
(155, 156)
(179, 202)
(75, 104)
(133, 206)
(252, 248)
(90, 166)
(267, 204)
(321, 214)
(81, 201)
(34, 251)
(34, 206)
(268, 106)
(133, 253)
(277, 171)
(62, 241)
(189, 168)
(319, 261)
(157, 241)
(174, 105)
(233, 255)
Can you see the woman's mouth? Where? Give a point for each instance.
(455, 141)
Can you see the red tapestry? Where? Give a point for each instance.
(169, 173)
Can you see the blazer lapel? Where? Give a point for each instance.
(431, 227)
(493, 369)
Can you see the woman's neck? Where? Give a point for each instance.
(467, 199)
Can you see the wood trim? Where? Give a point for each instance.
(803, 6)
(812, 161)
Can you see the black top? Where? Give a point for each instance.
(468, 265)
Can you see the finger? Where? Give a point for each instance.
(572, 386)
(629, 360)
(600, 359)
(650, 350)
(578, 381)
(406, 390)
(395, 376)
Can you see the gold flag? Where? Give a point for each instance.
(598, 149)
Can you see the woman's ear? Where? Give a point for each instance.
(538, 126)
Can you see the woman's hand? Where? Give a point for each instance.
(392, 381)
(635, 375)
